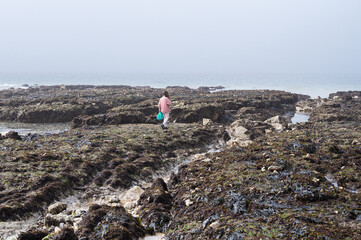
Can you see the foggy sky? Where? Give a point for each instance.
(251, 36)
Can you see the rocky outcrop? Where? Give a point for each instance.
(346, 96)
(192, 114)
(105, 222)
(337, 110)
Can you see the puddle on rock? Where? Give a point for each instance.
(39, 128)
(299, 118)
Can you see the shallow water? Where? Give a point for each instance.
(13, 228)
(40, 128)
(299, 118)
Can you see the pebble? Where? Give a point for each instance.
(275, 168)
(214, 225)
(188, 202)
(315, 180)
(57, 230)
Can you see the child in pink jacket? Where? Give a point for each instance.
(163, 105)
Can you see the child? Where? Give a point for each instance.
(163, 105)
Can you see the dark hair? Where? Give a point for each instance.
(166, 94)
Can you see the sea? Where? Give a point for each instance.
(314, 85)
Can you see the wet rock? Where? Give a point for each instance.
(13, 135)
(57, 208)
(155, 204)
(56, 220)
(33, 235)
(66, 234)
(210, 220)
(237, 203)
(226, 137)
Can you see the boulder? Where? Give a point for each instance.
(13, 135)
(57, 208)
(238, 131)
(279, 123)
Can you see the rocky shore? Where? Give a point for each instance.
(269, 178)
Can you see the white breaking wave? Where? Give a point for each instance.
(7, 85)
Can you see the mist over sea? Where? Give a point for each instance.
(310, 84)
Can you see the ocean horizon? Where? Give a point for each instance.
(313, 85)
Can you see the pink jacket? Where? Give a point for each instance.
(164, 104)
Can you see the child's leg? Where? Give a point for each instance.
(165, 119)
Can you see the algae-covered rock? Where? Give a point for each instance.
(105, 222)
(155, 204)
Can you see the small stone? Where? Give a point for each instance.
(188, 202)
(275, 168)
(316, 180)
(57, 208)
(214, 225)
(263, 169)
(57, 230)
(207, 122)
